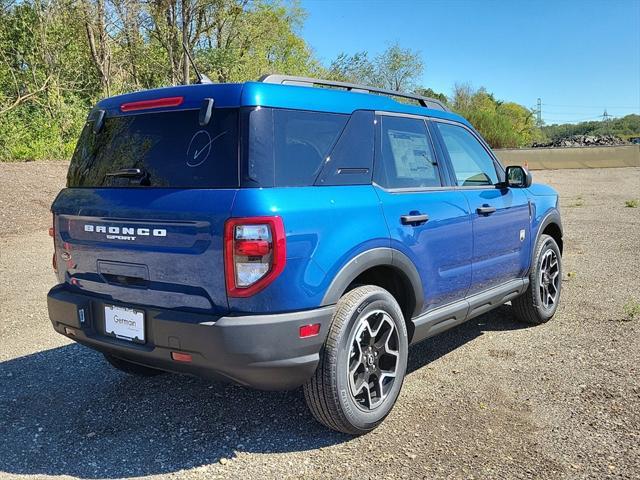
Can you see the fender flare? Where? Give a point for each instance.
(551, 217)
(376, 257)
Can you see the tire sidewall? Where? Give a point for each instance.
(356, 416)
(546, 243)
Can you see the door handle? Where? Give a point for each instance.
(486, 209)
(414, 220)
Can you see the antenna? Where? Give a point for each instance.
(202, 78)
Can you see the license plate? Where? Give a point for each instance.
(125, 323)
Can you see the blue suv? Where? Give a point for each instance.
(292, 231)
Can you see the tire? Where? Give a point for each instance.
(539, 302)
(132, 368)
(336, 394)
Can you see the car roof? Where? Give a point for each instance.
(259, 94)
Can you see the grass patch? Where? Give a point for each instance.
(631, 310)
(578, 202)
(633, 203)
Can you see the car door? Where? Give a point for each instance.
(428, 221)
(501, 215)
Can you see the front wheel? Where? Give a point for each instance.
(362, 364)
(540, 301)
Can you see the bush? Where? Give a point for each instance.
(31, 134)
(502, 124)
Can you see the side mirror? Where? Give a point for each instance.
(518, 177)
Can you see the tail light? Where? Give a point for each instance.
(52, 234)
(255, 254)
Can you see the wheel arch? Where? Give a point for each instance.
(551, 225)
(387, 268)
(554, 230)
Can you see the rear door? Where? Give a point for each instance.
(501, 224)
(427, 221)
(142, 218)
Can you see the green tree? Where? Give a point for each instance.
(45, 78)
(261, 39)
(625, 127)
(58, 57)
(396, 68)
(356, 68)
(503, 125)
(428, 92)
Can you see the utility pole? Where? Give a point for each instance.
(539, 112)
(606, 118)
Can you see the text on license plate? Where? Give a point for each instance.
(125, 323)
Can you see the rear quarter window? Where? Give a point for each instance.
(288, 148)
(171, 148)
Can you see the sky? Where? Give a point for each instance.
(579, 57)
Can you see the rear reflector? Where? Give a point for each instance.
(148, 104)
(181, 357)
(309, 330)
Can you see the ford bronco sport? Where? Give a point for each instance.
(280, 233)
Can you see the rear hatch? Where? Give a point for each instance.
(148, 191)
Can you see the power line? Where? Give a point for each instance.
(577, 120)
(637, 106)
(594, 109)
(563, 115)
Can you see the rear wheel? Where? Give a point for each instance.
(362, 364)
(540, 302)
(132, 368)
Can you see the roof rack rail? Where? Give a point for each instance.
(351, 87)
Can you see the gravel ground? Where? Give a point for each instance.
(489, 399)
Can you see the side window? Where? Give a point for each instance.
(471, 163)
(288, 148)
(351, 160)
(406, 156)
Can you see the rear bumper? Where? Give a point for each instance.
(260, 351)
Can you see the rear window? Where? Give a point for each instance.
(170, 149)
(288, 148)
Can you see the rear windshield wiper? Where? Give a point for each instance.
(132, 174)
(128, 173)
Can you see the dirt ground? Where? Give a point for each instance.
(489, 399)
